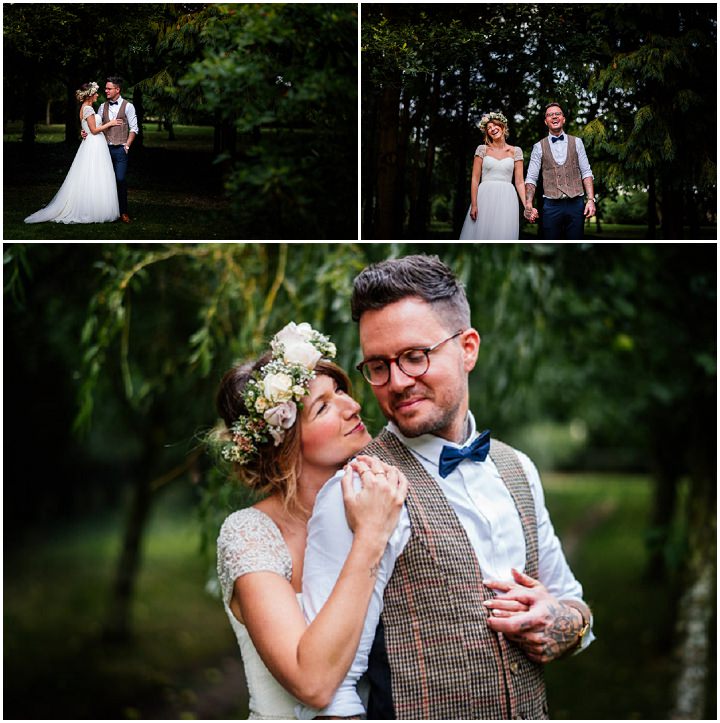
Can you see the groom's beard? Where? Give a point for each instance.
(435, 419)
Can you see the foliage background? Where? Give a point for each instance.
(598, 360)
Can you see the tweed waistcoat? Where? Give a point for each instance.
(561, 181)
(445, 662)
(116, 135)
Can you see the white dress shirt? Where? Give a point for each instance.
(130, 114)
(559, 151)
(486, 511)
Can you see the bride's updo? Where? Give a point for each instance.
(87, 90)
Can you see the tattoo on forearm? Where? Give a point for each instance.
(374, 569)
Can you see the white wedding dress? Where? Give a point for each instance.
(498, 216)
(249, 541)
(89, 193)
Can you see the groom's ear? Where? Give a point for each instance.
(470, 342)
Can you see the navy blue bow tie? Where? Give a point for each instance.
(114, 102)
(450, 457)
(555, 139)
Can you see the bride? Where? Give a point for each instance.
(290, 425)
(493, 213)
(89, 193)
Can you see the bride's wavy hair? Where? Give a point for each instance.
(86, 90)
(273, 468)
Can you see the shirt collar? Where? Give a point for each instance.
(429, 446)
(119, 100)
(564, 133)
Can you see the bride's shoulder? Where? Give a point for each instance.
(481, 151)
(249, 541)
(88, 110)
(518, 153)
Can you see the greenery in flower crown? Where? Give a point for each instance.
(492, 117)
(89, 91)
(272, 395)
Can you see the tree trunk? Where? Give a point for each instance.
(118, 626)
(461, 200)
(137, 101)
(698, 603)
(652, 206)
(424, 199)
(72, 117)
(47, 111)
(387, 225)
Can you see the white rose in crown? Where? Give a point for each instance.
(278, 387)
(283, 415)
(295, 342)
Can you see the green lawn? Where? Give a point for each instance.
(178, 665)
(174, 189)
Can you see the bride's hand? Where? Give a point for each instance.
(373, 512)
(473, 213)
(116, 122)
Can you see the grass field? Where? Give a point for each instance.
(183, 661)
(174, 190)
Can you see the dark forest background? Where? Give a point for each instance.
(276, 83)
(637, 83)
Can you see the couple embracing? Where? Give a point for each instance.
(95, 189)
(563, 163)
(414, 576)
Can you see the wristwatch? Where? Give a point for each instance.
(591, 199)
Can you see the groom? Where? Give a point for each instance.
(119, 138)
(565, 172)
(473, 594)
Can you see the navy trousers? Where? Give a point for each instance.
(120, 163)
(563, 219)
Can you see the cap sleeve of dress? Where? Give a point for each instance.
(249, 541)
(481, 151)
(518, 154)
(88, 110)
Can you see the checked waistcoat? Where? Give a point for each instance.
(445, 662)
(561, 181)
(117, 135)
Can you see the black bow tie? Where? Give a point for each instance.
(114, 102)
(450, 457)
(555, 139)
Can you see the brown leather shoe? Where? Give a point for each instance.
(125, 218)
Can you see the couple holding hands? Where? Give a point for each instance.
(560, 159)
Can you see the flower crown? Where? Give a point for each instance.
(492, 117)
(90, 90)
(273, 393)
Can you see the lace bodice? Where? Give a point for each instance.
(249, 541)
(495, 169)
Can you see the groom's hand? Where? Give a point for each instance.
(546, 630)
(589, 209)
(83, 134)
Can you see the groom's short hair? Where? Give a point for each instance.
(425, 277)
(554, 105)
(116, 80)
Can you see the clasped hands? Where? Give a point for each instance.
(531, 214)
(526, 613)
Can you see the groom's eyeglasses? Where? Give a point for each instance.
(412, 363)
(553, 115)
